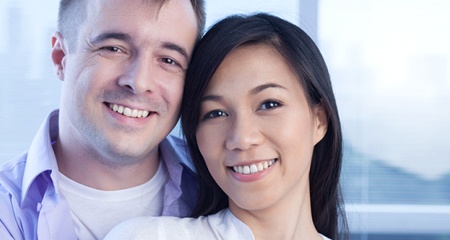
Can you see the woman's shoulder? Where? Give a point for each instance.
(228, 226)
(222, 225)
(324, 238)
(166, 227)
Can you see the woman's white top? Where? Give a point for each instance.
(222, 225)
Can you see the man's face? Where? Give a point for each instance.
(123, 82)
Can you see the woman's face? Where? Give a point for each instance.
(257, 132)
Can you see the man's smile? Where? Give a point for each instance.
(126, 111)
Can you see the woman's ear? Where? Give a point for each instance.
(58, 54)
(320, 122)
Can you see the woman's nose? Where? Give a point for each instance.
(244, 133)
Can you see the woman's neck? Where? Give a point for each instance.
(289, 219)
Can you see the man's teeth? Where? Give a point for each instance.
(254, 168)
(136, 113)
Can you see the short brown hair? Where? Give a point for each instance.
(73, 12)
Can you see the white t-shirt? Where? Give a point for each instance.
(96, 212)
(222, 225)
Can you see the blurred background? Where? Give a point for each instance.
(389, 62)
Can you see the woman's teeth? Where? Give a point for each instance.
(254, 168)
(136, 113)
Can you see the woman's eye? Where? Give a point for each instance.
(269, 105)
(214, 114)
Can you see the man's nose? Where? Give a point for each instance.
(139, 76)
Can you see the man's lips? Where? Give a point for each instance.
(126, 111)
(253, 168)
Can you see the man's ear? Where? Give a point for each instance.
(58, 54)
(320, 122)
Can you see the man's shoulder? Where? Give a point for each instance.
(11, 178)
(175, 148)
(11, 174)
(13, 171)
(175, 142)
(178, 161)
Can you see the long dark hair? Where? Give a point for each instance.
(307, 63)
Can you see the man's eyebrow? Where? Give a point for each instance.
(126, 37)
(110, 35)
(177, 48)
(261, 88)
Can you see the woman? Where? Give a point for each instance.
(261, 121)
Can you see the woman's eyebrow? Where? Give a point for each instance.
(214, 98)
(263, 87)
(256, 90)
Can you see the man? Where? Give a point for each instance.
(105, 157)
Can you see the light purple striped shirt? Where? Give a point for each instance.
(31, 205)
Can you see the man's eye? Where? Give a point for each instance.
(215, 114)
(170, 61)
(112, 49)
(270, 104)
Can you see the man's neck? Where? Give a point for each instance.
(92, 172)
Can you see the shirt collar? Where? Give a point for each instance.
(174, 152)
(41, 157)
